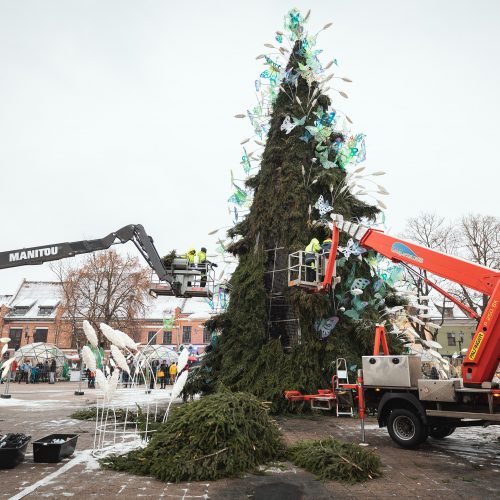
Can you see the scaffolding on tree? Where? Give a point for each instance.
(282, 322)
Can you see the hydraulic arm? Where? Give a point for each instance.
(47, 253)
(483, 355)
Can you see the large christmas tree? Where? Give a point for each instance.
(274, 337)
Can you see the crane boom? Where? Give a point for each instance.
(46, 253)
(483, 354)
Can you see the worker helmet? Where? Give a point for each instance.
(203, 249)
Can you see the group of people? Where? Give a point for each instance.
(162, 373)
(33, 372)
(198, 259)
(194, 257)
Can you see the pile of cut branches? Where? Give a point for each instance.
(221, 435)
(90, 414)
(331, 459)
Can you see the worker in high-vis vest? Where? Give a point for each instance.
(202, 255)
(310, 258)
(202, 263)
(326, 246)
(190, 255)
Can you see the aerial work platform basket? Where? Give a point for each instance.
(306, 270)
(188, 280)
(313, 272)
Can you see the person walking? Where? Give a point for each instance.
(45, 371)
(172, 372)
(34, 374)
(28, 371)
(152, 372)
(162, 374)
(53, 372)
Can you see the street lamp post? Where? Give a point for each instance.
(6, 394)
(460, 341)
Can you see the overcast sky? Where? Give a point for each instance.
(119, 112)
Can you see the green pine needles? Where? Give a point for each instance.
(272, 337)
(223, 435)
(331, 459)
(230, 433)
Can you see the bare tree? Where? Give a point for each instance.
(105, 288)
(433, 231)
(480, 243)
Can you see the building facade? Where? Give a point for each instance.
(456, 334)
(35, 313)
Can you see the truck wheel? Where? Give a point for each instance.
(406, 429)
(441, 431)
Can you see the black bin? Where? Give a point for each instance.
(47, 452)
(12, 457)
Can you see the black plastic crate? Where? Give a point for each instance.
(47, 452)
(12, 457)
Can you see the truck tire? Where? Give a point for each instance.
(406, 428)
(441, 431)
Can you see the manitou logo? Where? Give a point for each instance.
(34, 253)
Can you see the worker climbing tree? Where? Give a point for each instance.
(274, 337)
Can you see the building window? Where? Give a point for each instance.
(40, 335)
(15, 338)
(451, 339)
(167, 338)
(186, 334)
(207, 336)
(19, 311)
(152, 338)
(45, 311)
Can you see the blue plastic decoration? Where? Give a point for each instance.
(352, 313)
(361, 283)
(352, 248)
(326, 326)
(323, 206)
(306, 137)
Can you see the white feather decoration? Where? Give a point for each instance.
(89, 358)
(421, 307)
(182, 361)
(434, 344)
(4, 340)
(416, 320)
(129, 343)
(112, 336)
(101, 381)
(179, 384)
(434, 353)
(4, 349)
(113, 384)
(119, 358)
(433, 325)
(90, 333)
(395, 309)
(6, 367)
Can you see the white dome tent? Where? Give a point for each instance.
(40, 352)
(158, 352)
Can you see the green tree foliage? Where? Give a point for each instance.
(331, 459)
(222, 435)
(255, 353)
